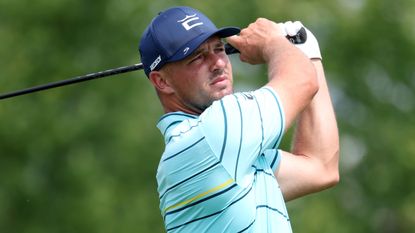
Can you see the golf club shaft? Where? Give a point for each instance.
(77, 79)
(301, 37)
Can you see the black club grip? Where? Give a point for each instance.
(299, 38)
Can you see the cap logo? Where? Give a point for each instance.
(155, 63)
(185, 50)
(188, 19)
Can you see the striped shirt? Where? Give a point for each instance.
(217, 171)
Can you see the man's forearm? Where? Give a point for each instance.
(316, 135)
(293, 77)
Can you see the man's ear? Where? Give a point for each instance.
(160, 82)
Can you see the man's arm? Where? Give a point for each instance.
(312, 164)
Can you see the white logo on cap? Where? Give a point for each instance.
(185, 50)
(189, 18)
(155, 63)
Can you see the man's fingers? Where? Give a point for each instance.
(235, 41)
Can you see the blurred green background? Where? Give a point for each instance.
(83, 158)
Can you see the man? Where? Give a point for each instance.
(221, 170)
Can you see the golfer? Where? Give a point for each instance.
(221, 170)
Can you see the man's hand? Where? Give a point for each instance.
(310, 47)
(257, 43)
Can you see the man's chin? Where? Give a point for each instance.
(223, 93)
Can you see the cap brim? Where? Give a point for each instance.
(195, 43)
(227, 32)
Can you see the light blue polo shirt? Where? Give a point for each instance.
(217, 171)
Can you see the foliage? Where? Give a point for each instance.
(83, 158)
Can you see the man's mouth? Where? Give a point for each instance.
(218, 80)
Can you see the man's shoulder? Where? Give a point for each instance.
(170, 122)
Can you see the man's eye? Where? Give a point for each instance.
(196, 58)
(220, 49)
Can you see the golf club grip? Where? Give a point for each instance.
(299, 38)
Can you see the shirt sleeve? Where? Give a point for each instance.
(273, 158)
(242, 126)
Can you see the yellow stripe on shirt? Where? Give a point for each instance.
(214, 189)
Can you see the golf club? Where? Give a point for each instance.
(299, 38)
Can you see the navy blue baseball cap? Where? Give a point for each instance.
(174, 34)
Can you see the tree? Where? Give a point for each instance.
(83, 158)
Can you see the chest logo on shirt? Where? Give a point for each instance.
(248, 96)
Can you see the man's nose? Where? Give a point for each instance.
(217, 60)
